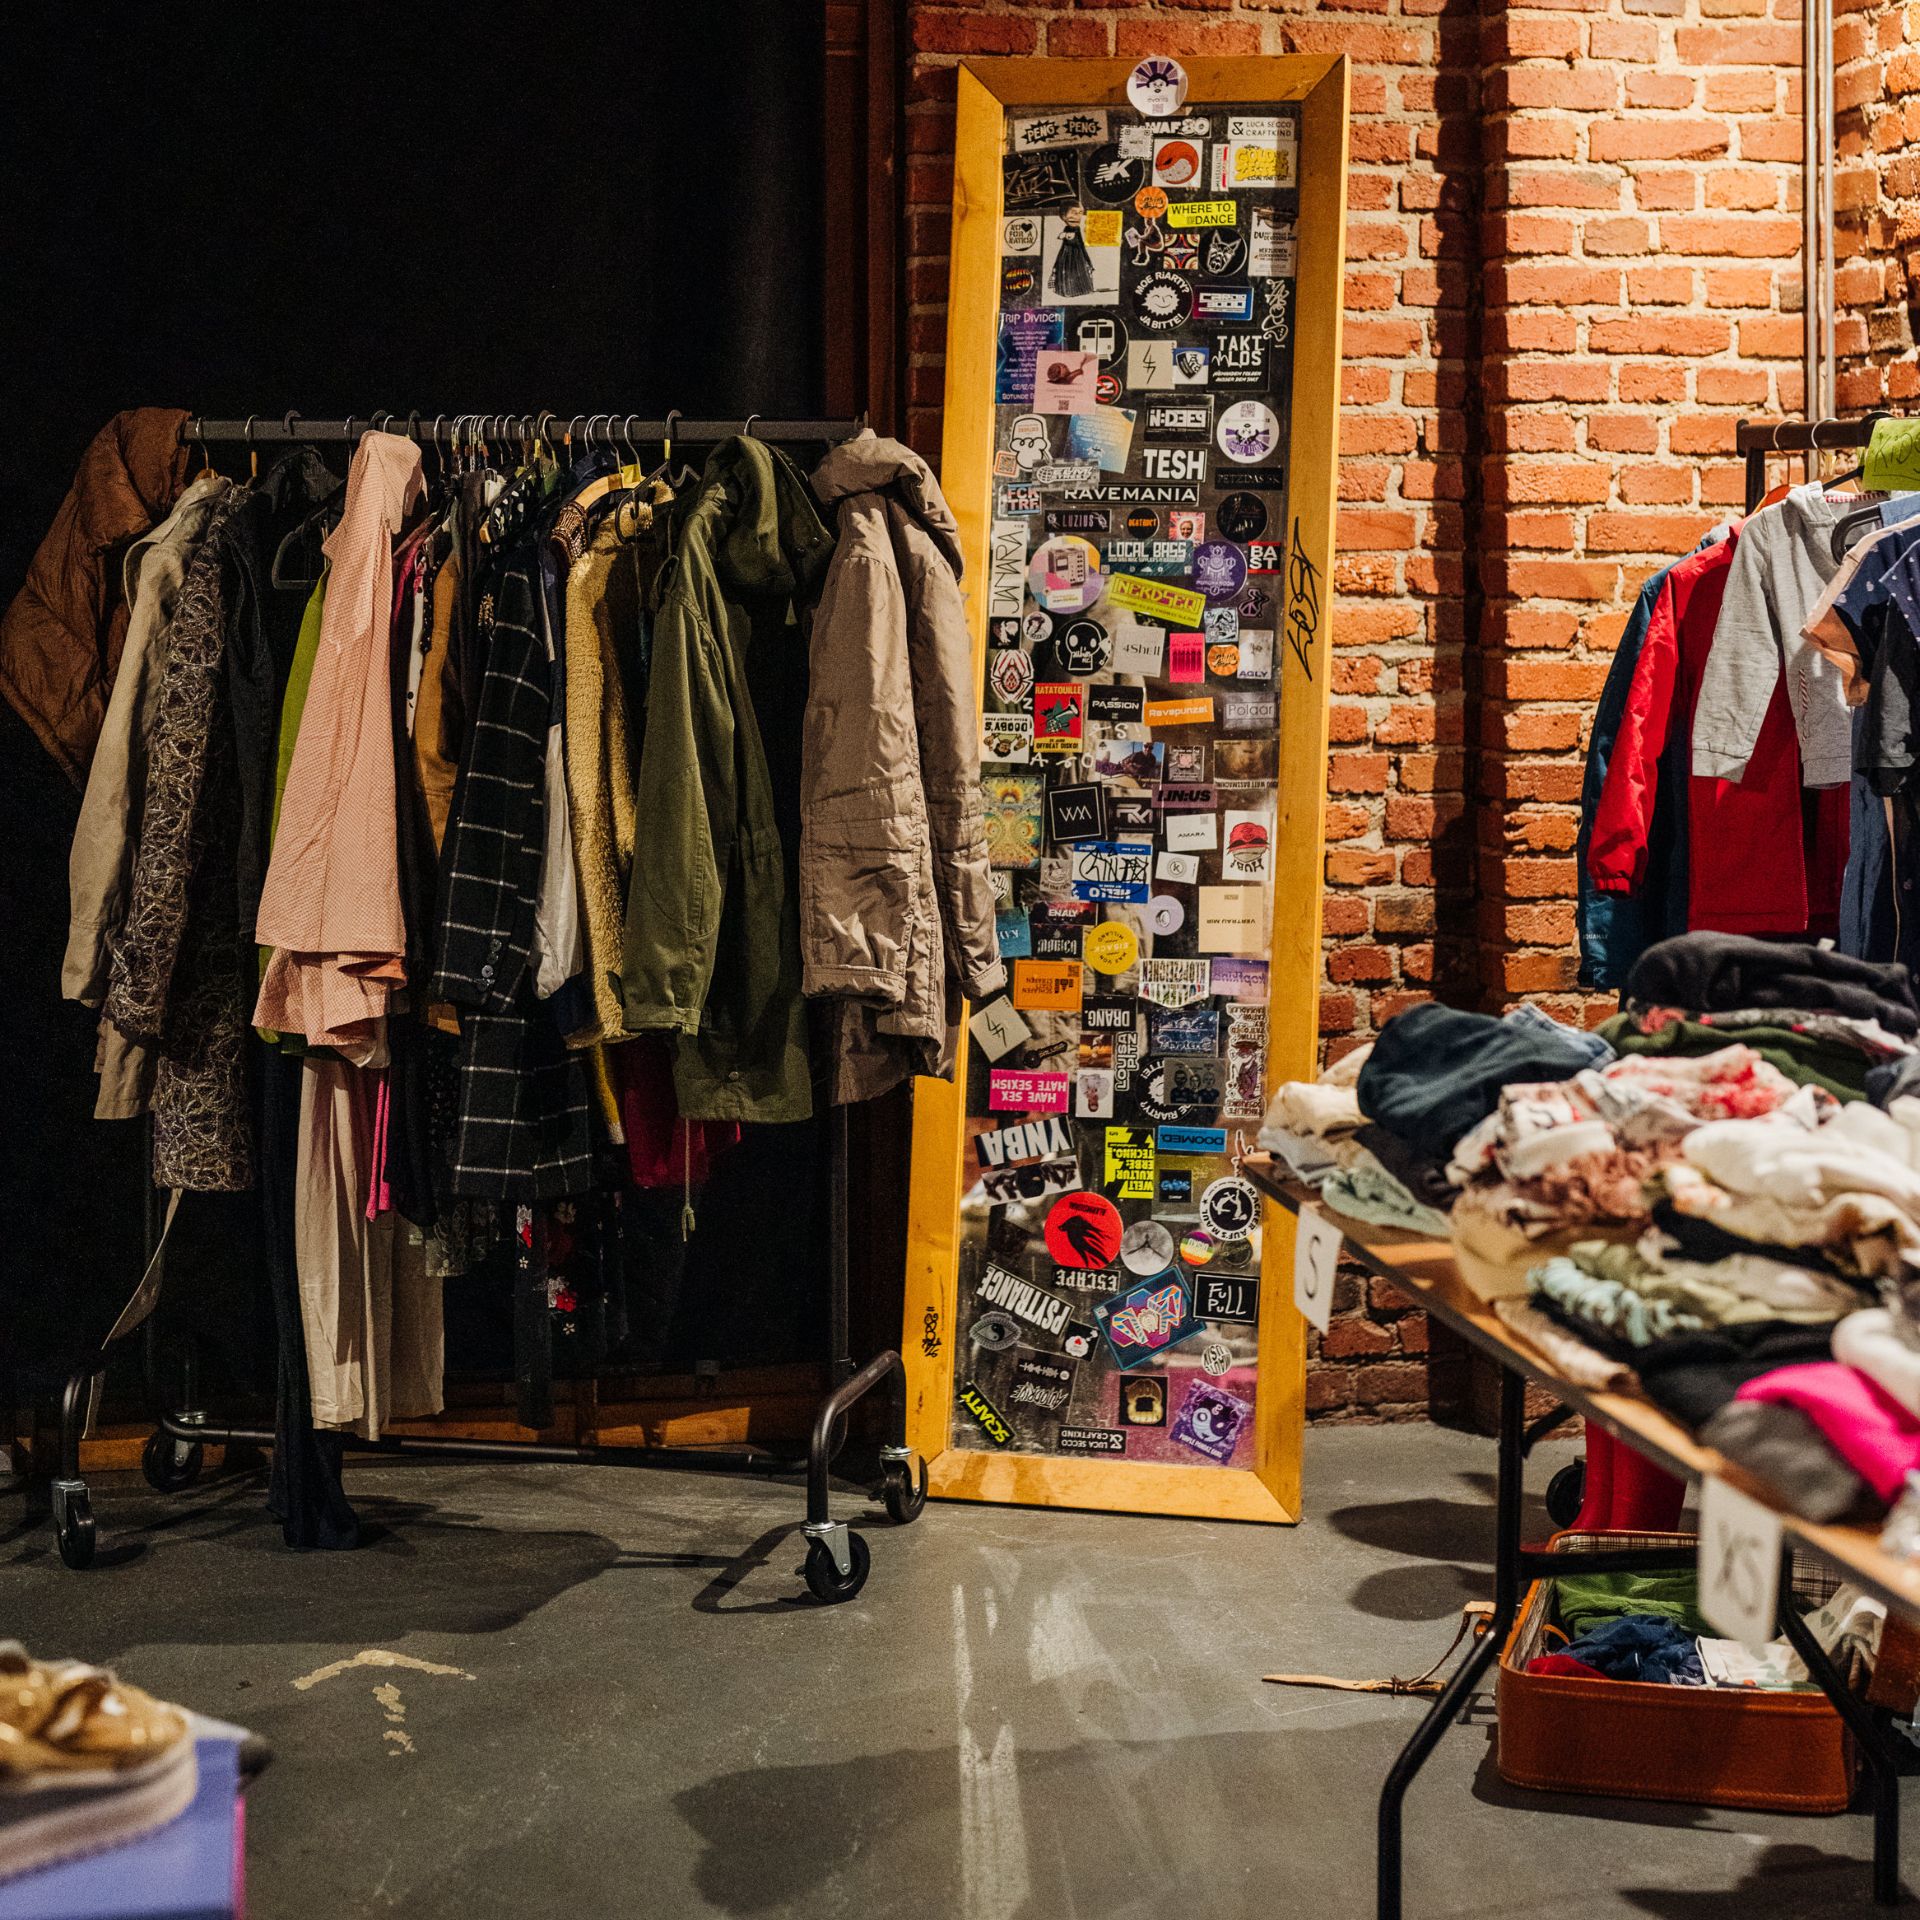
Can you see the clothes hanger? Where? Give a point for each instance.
(281, 574)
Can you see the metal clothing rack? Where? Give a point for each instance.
(1757, 440)
(837, 1560)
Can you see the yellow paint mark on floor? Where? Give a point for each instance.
(376, 1657)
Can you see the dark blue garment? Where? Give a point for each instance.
(1867, 907)
(1641, 1646)
(1616, 928)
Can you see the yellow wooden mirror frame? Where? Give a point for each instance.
(1270, 1490)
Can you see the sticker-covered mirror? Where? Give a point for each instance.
(1143, 361)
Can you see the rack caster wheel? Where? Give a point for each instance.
(825, 1581)
(904, 1488)
(73, 1524)
(171, 1465)
(1567, 1494)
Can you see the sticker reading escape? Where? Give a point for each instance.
(1083, 1231)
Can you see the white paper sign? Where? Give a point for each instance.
(1191, 832)
(1007, 570)
(1739, 1563)
(1316, 1252)
(1139, 648)
(1183, 869)
(998, 1028)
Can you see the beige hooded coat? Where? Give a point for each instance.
(896, 898)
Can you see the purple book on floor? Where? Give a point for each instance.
(190, 1869)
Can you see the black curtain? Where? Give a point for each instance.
(238, 209)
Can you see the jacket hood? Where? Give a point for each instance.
(775, 540)
(868, 464)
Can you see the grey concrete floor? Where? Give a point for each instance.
(1026, 1716)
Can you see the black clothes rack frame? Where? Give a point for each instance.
(838, 1560)
(1757, 440)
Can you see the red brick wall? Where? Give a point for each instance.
(1572, 257)
(1876, 203)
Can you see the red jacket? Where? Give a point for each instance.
(1763, 856)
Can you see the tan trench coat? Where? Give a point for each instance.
(896, 898)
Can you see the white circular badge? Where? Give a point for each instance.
(1230, 1208)
(1165, 914)
(1158, 86)
(1248, 432)
(1146, 1249)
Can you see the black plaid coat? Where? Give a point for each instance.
(523, 1131)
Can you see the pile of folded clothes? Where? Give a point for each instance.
(1715, 1197)
(1648, 1627)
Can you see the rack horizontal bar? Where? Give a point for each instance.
(446, 430)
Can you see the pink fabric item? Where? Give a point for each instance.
(1565, 1665)
(331, 905)
(1865, 1425)
(379, 1193)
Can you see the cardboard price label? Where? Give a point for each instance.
(1316, 1253)
(1739, 1563)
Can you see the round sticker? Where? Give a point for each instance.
(1110, 947)
(1107, 388)
(1083, 649)
(1223, 660)
(1165, 914)
(995, 1331)
(1176, 163)
(1224, 254)
(1111, 177)
(1158, 86)
(1241, 516)
(1216, 1358)
(1037, 626)
(1146, 1249)
(1022, 234)
(1083, 1230)
(1219, 569)
(1017, 283)
(1197, 1248)
(1010, 674)
(1230, 1208)
(1247, 432)
(1143, 523)
(1164, 302)
(1064, 575)
(1150, 203)
(1104, 334)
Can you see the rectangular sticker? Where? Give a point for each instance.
(1232, 919)
(1211, 1422)
(1103, 435)
(1074, 127)
(1186, 657)
(1042, 1382)
(1007, 570)
(1202, 798)
(1181, 869)
(1093, 1093)
(1010, 1092)
(1059, 716)
(1047, 986)
(986, 1416)
(1076, 813)
(1180, 713)
(1202, 213)
(1153, 366)
(1249, 837)
(1075, 519)
(1108, 1442)
(1174, 463)
(1007, 737)
(1180, 419)
(1116, 705)
(1011, 798)
(1239, 360)
(1256, 654)
(998, 1029)
(1112, 870)
(1176, 1187)
(1244, 980)
(999, 1287)
(1129, 1163)
(1222, 303)
(1011, 931)
(1063, 383)
(1031, 1140)
(1194, 1140)
(1138, 648)
(1025, 332)
(1009, 1186)
(1191, 832)
(1272, 251)
(1058, 927)
(1108, 1013)
(1224, 1298)
(1183, 1030)
(1174, 983)
(1144, 1321)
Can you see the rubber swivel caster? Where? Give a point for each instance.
(1567, 1493)
(171, 1465)
(829, 1580)
(903, 1485)
(73, 1523)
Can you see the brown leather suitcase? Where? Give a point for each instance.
(1707, 1746)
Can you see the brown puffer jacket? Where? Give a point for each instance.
(896, 897)
(60, 640)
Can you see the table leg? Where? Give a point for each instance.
(1883, 1780)
(1458, 1691)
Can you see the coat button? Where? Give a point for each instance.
(735, 1074)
